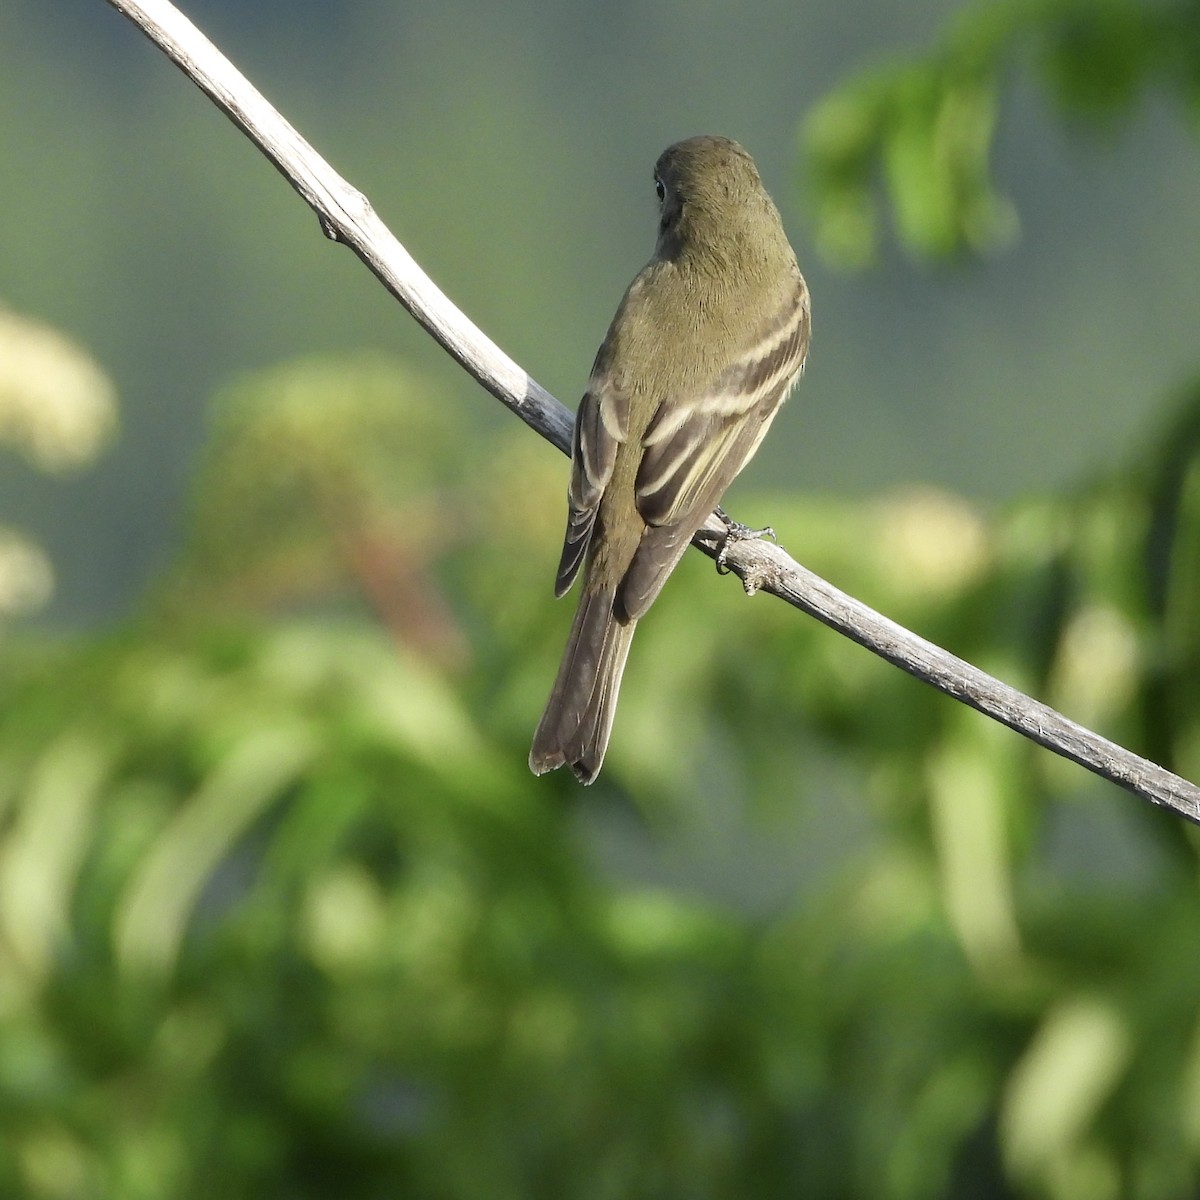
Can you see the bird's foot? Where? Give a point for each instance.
(736, 532)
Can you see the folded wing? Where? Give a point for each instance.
(693, 449)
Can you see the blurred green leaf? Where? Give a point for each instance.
(284, 913)
(926, 125)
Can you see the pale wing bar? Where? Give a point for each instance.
(688, 464)
(693, 451)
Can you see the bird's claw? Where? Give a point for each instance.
(736, 532)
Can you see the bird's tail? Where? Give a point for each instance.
(578, 719)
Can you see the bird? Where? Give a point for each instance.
(705, 346)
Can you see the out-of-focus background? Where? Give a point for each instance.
(282, 912)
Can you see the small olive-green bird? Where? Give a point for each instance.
(706, 344)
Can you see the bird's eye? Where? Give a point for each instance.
(662, 191)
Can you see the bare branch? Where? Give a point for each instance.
(347, 216)
(761, 565)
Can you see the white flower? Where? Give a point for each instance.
(56, 405)
(26, 578)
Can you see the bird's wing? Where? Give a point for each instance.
(692, 450)
(601, 425)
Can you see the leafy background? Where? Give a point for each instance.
(281, 911)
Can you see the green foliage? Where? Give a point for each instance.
(928, 124)
(282, 913)
(316, 471)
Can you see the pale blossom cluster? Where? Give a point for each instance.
(57, 408)
(932, 542)
(56, 405)
(26, 578)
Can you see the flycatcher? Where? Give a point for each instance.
(706, 344)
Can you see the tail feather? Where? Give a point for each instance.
(575, 727)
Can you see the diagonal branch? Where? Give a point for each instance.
(346, 216)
